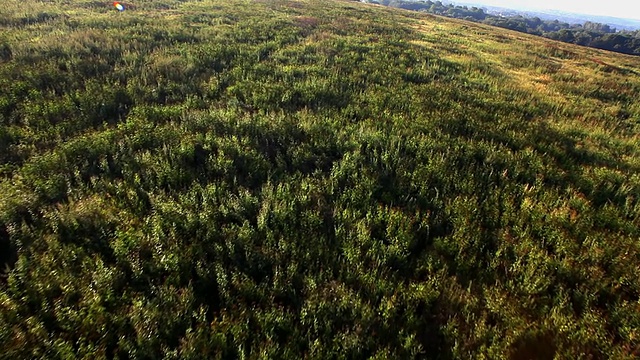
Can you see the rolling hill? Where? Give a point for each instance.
(304, 179)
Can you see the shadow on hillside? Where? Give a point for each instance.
(8, 254)
(564, 151)
(572, 160)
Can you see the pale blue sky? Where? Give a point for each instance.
(618, 8)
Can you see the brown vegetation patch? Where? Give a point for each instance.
(307, 23)
(283, 3)
(558, 52)
(537, 346)
(609, 68)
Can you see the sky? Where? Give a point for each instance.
(629, 9)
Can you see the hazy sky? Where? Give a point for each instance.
(618, 8)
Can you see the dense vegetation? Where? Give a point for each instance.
(596, 35)
(287, 179)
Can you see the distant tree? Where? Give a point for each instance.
(582, 38)
(563, 35)
(604, 28)
(534, 22)
(415, 6)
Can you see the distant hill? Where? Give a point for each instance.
(311, 179)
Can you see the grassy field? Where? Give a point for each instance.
(311, 179)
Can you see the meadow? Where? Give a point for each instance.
(302, 179)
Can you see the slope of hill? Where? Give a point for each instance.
(550, 14)
(286, 179)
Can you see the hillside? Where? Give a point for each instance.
(311, 179)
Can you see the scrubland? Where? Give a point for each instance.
(311, 179)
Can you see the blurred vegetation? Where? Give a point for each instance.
(287, 179)
(591, 34)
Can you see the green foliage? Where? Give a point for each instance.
(287, 179)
